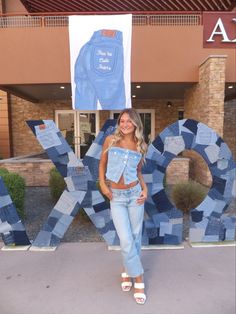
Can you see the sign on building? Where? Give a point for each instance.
(219, 30)
(100, 50)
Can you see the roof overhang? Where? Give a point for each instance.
(132, 6)
(38, 93)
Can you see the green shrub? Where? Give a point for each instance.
(3, 171)
(188, 195)
(56, 183)
(57, 186)
(15, 185)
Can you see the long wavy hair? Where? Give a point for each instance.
(138, 133)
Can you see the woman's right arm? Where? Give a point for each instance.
(102, 169)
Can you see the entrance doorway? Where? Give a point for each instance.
(79, 128)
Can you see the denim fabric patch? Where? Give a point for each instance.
(192, 125)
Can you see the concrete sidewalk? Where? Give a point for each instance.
(83, 278)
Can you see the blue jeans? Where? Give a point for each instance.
(127, 217)
(99, 72)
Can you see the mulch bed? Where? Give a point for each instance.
(38, 205)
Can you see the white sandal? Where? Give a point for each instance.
(140, 297)
(125, 285)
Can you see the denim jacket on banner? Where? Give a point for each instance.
(124, 162)
(99, 72)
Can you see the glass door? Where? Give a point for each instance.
(79, 128)
(66, 121)
(87, 131)
(147, 126)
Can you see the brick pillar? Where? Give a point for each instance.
(4, 126)
(204, 102)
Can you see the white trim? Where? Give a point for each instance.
(151, 247)
(43, 248)
(15, 247)
(212, 244)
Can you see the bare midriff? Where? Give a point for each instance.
(121, 184)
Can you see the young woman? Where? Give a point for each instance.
(122, 182)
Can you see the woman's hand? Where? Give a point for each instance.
(142, 197)
(106, 191)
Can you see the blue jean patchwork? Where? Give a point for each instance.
(99, 72)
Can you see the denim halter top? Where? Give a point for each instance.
(122, 161)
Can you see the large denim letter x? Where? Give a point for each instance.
(81, 179)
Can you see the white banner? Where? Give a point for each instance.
(100, 52)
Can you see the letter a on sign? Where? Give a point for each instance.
(221, 32)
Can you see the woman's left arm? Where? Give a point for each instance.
(143, 195)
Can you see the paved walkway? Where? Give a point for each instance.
(83, 278)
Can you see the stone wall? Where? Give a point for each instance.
(199, 170)
(24, 141)
(35, 171)
(178, 171)
(4, 126)
(230, 125)
(204, 102)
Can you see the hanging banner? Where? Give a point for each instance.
(100, 51)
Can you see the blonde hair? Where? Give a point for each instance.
(138, 134)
